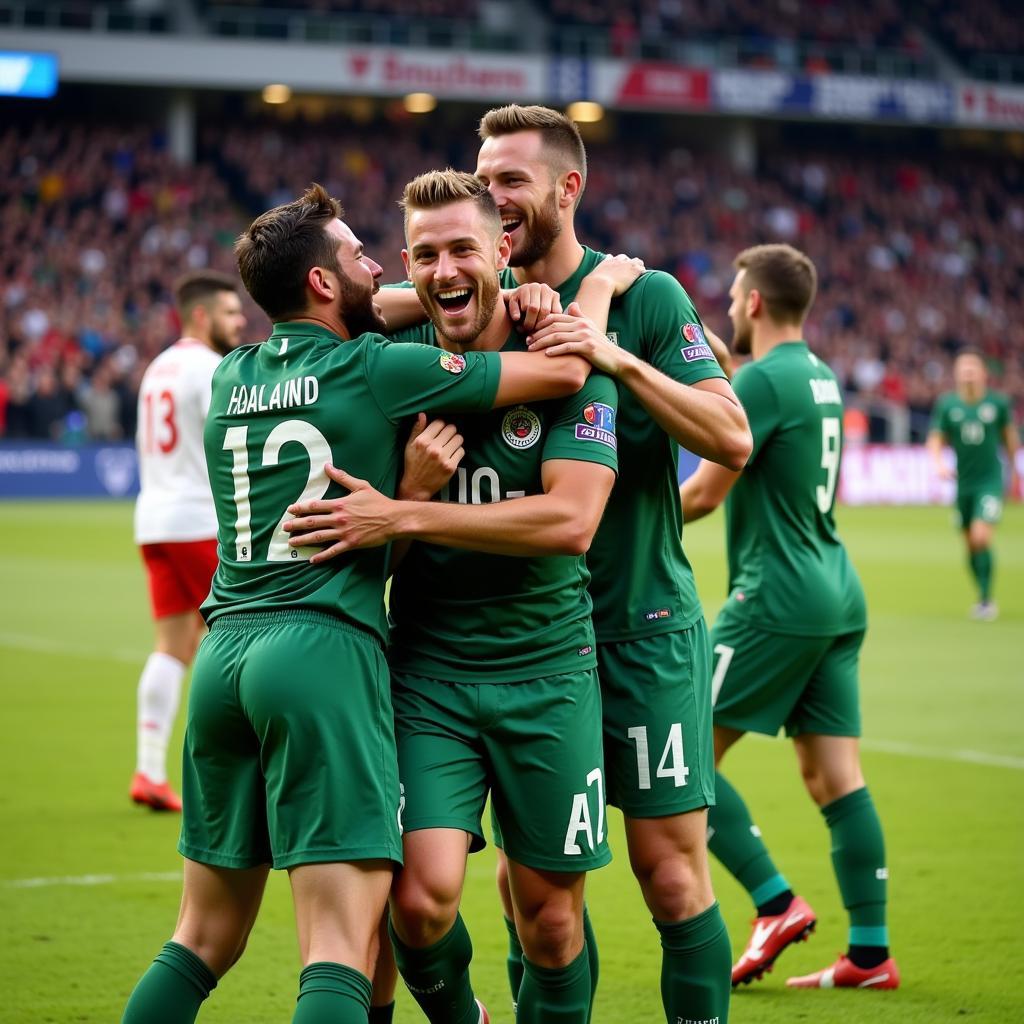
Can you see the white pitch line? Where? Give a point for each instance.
(901, 749)
(938, 754)
(44, 883)
(50, 645)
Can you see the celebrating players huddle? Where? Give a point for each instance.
(501, 440)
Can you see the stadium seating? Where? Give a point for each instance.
(916, 257)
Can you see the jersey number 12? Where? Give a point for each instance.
(319, 452)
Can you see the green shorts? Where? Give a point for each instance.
(658, 745)
(289, 747)
(984, 503)
(764, 681)
(536, 745)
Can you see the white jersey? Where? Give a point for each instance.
(175, 503)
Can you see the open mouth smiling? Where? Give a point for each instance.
(454, 300)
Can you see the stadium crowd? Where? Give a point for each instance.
(917, 258)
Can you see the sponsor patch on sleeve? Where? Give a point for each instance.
(598, 424)
(452, 362)
(696, 346)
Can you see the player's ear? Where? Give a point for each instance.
(405, 262)
(571, 186)
(320, 281)
(502, 251)
(755, 305)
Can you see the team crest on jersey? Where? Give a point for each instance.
(521, 427)
(452, 362)
(987, 413)
(598, 424)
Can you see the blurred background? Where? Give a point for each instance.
(137, 137)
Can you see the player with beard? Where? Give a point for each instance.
(290, 755)
(653, 656)
(175, 522)
(492, 648)
(789, 637)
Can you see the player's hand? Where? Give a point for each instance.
(432, 454)
(530, 303)
(572, 334)
(619, 271)
(364, 518)
(945, 472)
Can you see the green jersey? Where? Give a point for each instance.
(787, 565)
(472, 617)
(642, 580)
(976, 432)
(281, 410)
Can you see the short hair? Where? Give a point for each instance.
(198, 287)
(784, 276)
(559, 134)
(278, 249)
(442, 188)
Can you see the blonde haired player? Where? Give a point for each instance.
(175, 521)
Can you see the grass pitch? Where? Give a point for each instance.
(89, 883)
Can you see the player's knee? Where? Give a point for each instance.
(675, 887)
(423, 912)
(217, 946)
(553, 936)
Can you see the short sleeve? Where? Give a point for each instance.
(760, 403)
(939, 416)
(406, 379)
(673, 336)
(583, 427)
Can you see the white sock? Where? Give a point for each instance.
(158, 698)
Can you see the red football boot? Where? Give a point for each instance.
(159, 796)
(844, 973)
(771, 936)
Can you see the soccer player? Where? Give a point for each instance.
(653, 656)
(789, 637)
(290, 756)
(175, 522)
(975, 422)
(494, 670)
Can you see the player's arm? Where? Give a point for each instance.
(432, 454)
(936, 445)
(400, 306)
(612, 277)
(705, 489)
(705, 417)
(561, 521)
(721, 351)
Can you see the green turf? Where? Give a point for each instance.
(74, 631)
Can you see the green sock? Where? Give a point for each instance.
(438, 975)
(382, 1014)
(736, 841)
(858, 857)
(555, 995)
(982, 568)
(331, 993)
(696, 968)
(590, 941)
(514, 961)
(172, 990)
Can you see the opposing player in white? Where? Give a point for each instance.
(175, 522)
